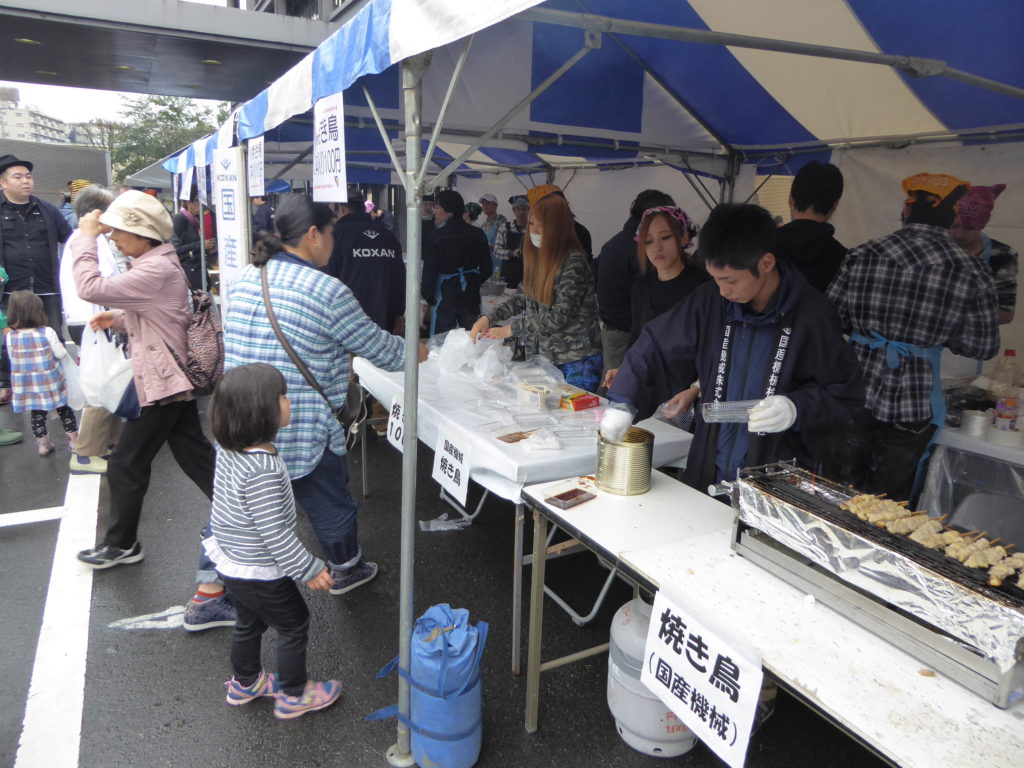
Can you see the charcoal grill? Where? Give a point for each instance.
(933, 607)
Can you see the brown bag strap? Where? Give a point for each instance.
(284, 342)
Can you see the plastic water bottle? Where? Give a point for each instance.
(1006, 391)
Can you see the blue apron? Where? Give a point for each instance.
(441, 280)
(894, 350)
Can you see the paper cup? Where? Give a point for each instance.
(975, 423)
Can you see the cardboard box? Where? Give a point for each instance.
(576, 399)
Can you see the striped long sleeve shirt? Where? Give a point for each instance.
(323, 321)
(253, 517)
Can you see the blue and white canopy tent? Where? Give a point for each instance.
(570, 90)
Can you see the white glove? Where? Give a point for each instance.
(773, 414)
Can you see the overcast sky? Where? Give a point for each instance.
(79, 105)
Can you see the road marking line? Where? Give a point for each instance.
(51, 732)
(31, 516)
(172, 618)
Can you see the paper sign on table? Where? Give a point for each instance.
(396, 424)
(703, 678)
(451, 464)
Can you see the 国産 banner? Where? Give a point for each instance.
(329, 182)
(232, 205)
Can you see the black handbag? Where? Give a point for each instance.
(353, 412)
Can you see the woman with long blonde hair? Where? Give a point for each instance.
(555, 310)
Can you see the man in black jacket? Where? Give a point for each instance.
(755, 332)
(807, 242)
(456, 260)
(368, 259)
(617, 268)
(31, 231)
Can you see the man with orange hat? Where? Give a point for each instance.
(903, 298)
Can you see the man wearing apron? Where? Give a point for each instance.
(902, 298)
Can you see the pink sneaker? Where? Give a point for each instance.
(317, 696)
(44, 445)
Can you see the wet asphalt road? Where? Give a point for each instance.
(154, 697)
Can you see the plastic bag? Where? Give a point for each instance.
(543, 439)
(76, 398)
(442, 523)
(456, 352)
(493, 363)
(105, 371)
(617, 419)
(538, 371)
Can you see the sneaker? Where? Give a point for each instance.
(317, 696)
(209, 614)
(265, 685)
(359, 574)
(87, 465)
(106, 556)
(5, 396)
(10, 437)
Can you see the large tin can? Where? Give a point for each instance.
(624, 468)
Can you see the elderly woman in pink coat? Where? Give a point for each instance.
(151, 304)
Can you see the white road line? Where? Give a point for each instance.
(52, 730)
(172, 618)
(31, 516)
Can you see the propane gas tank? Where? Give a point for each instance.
(642, 720)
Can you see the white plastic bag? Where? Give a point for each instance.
(105, 371)
(76, 398)
(493, 363)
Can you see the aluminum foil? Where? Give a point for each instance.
(993, 629)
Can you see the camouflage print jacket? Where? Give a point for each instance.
(568, 329)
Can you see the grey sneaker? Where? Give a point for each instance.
(209, 614)
(359, 574)
(105, 556)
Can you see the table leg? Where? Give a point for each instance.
(517, 588)
(540, 525)
(363, 429)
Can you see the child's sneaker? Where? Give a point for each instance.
(209, 614)
(317, 696)
(359, 574)
(44, 446)
(265, 685)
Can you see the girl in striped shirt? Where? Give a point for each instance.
(255, 547)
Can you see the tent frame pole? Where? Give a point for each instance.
(591, 42)
(434, 134)
(413, 68)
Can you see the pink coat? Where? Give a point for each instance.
(151, 303)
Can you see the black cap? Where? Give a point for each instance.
(9, 161)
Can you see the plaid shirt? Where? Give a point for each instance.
(914, 286)
(1002, 262)
(37, 381)
(325, 324)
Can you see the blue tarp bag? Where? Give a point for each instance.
(446, 708)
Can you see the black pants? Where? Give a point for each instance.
(54, 318)
(128, 470)
(263, 604)
(885, 455)
(67, 420)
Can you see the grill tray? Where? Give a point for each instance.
(783, 487)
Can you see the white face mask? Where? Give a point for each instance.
(535, 239)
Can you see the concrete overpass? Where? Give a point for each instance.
(161, 47)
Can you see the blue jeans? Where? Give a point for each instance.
(323, 495)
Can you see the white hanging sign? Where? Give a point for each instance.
(201, 184)
(451, 464)
(256, 183)
(329, 182)
(396, 424)
(185, 193)
(232, 216)
(703, 677)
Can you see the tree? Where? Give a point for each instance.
(154, 127)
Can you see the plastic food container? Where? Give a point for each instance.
(734, 411)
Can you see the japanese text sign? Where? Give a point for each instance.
(329, 182)
(451, 464)
(255, 166)
(396, 424)
(232, 216)
(701, 676)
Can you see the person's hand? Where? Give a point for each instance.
(773, 414)
(609, 378)
(479, 327)
(102, 321)
(210, 245)
(90, 226)
(681, 402)
(501, 332)
(322, 581)
(424, 352)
